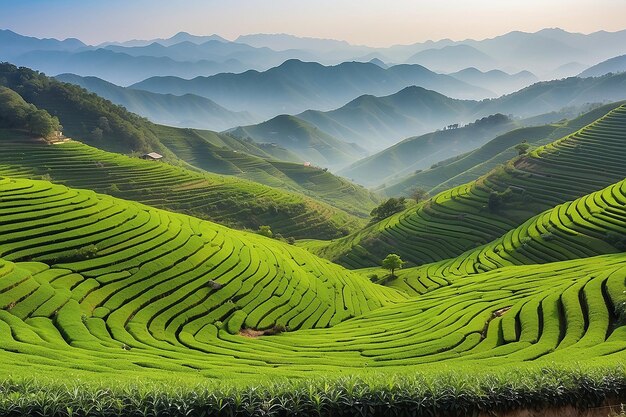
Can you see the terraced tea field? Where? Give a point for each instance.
(228, 200)
(460, 219)
(104, 289)
(265, 164)
(514, 296)
(475, 164)
(86, 276)
(95, 273)
(592, 225)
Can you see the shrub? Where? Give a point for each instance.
(388, 208)
(265, 231)
(522, 148)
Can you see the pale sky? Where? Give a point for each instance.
(368, 22)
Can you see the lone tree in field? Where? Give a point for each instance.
(265, 231)
(392, 262)
(419, 194)
(522, 148)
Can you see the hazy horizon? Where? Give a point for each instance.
(357, 22)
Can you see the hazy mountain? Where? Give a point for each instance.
(547, 49)
(296, 86)
(283, 42)
(118, 68)
(13, 44)
(303, 139)
(452, 58)
(495, 80)
(548, 96)
(178, 38)
(379, 62)
(216, 51)
(571, 69)
(613, 65)
(541, 52)
(421, 152)
(184, 111)
(378, 122)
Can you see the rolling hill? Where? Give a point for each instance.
(376, 123)
(80, 267)
(452, 58)
(421, 152)
(183, 111)
(590, 226)
(228, 200)
(471, 166)
(303, 139)
(548, 96)
(614, 65)
(296, 86)
(495, 80)
(206, 302)
(193, 149)
(475, 213)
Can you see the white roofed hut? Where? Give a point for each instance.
(152, 156)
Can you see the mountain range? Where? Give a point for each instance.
(296, 86)
(185, 111)
(548, 53)
(375, 123)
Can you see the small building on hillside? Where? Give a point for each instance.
(152, 156)
(307, 164)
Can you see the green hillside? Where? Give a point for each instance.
(592, 225)
(473, 214)
(421, 152)
(129, 270)
(471, 166)
(378, 122)
(228, 200)
(113, 128)
(302, 138)
(100, 123)
(102, 289)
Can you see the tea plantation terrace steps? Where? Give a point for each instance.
(546, 314)
(592, 225)
(228, 200)
(460, 219)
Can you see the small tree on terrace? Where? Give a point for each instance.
(522, 148)
(392, 262)
(419, 194)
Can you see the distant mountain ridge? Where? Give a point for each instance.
(306, 140)
(183, 111)
(376, 123)
(296, 86)
(545, 52)
(613, 65)
(418, 153)
(497, 81)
